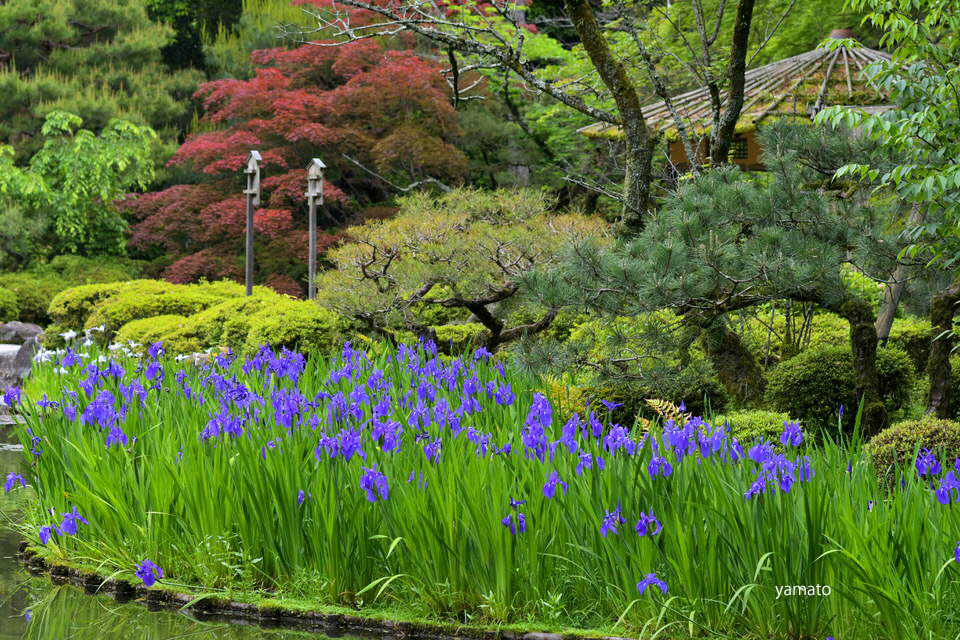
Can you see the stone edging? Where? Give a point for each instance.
(331, 624)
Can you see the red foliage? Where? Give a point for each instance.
(386, 108)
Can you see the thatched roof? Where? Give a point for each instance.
(800, 86)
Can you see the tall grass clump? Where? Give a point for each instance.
(403, 480)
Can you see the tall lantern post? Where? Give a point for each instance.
(314, 197)
(253, 201)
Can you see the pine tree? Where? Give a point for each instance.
(98, 59)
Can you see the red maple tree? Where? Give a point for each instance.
(375, 101)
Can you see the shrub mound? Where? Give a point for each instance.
(9, 309)
(754, 425)
(893, 447)
(912, 334)
(36, 287)
(813, 385)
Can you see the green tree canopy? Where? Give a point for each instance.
(466, 249)
(95, 58)
(68, 189)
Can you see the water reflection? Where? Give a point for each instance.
(33, 608)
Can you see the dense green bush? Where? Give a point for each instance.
(814, 384)
(827, 329)
(454, 338)
(913, 335)
(228, 323)
(754, 425)
(34, 293)
(36, 287)
(174, 331)
(9, 309)
(296, 324)
(895, 446)
(658, 373)
(71, 308)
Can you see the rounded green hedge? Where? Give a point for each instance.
(913, 335)
(894, 447)
(174, 331)
(9, 309)
(71, 308)
(34, 293)
(754, 425)
(296, 324)
(814, 384)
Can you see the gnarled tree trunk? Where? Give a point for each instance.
(738, 370)
(942, 311)
(863, 344)
(639, 141)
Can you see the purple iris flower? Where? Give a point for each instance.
(515, 522)
(70, 522)
(550, 488)
(149, 572)
(11, 396)
(927, 463)
(611, 404)
(948, 485)
(791, 436)
(659, 465)
(12, 479)
(372, 482)
(956, 552)
(648, 524)
(46, 532)
(432, 450)
(302, 497)
(116, 436)
(651, 580)
(515, 504)
(611, 520)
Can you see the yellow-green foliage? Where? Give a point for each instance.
(296, 324)
(71, 308)
(118, 310)
(472, 243)
(755, 425)
(913, 335)
(9, 309)
(814, 384)
(175, 332)
(34, 293)
(461, 336)
(228, 323)
(827, 329)
(893, 447)
(657, 372)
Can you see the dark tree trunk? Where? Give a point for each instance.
(736, 70)
(736, 367)
(863, 343)
(613, 74)
(942, 311)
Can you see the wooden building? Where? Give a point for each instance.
(795, 87)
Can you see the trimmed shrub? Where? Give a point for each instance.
(9, 309)
(118, 310)
(893, 447)
(34, 293)
(175, 332)
(72, 307)
(814, 384)
(228, 323)
(827, 329)
(454, 338)
(296, 324)
(755, 425)
(913, 335)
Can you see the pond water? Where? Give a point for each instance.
(33, 607)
